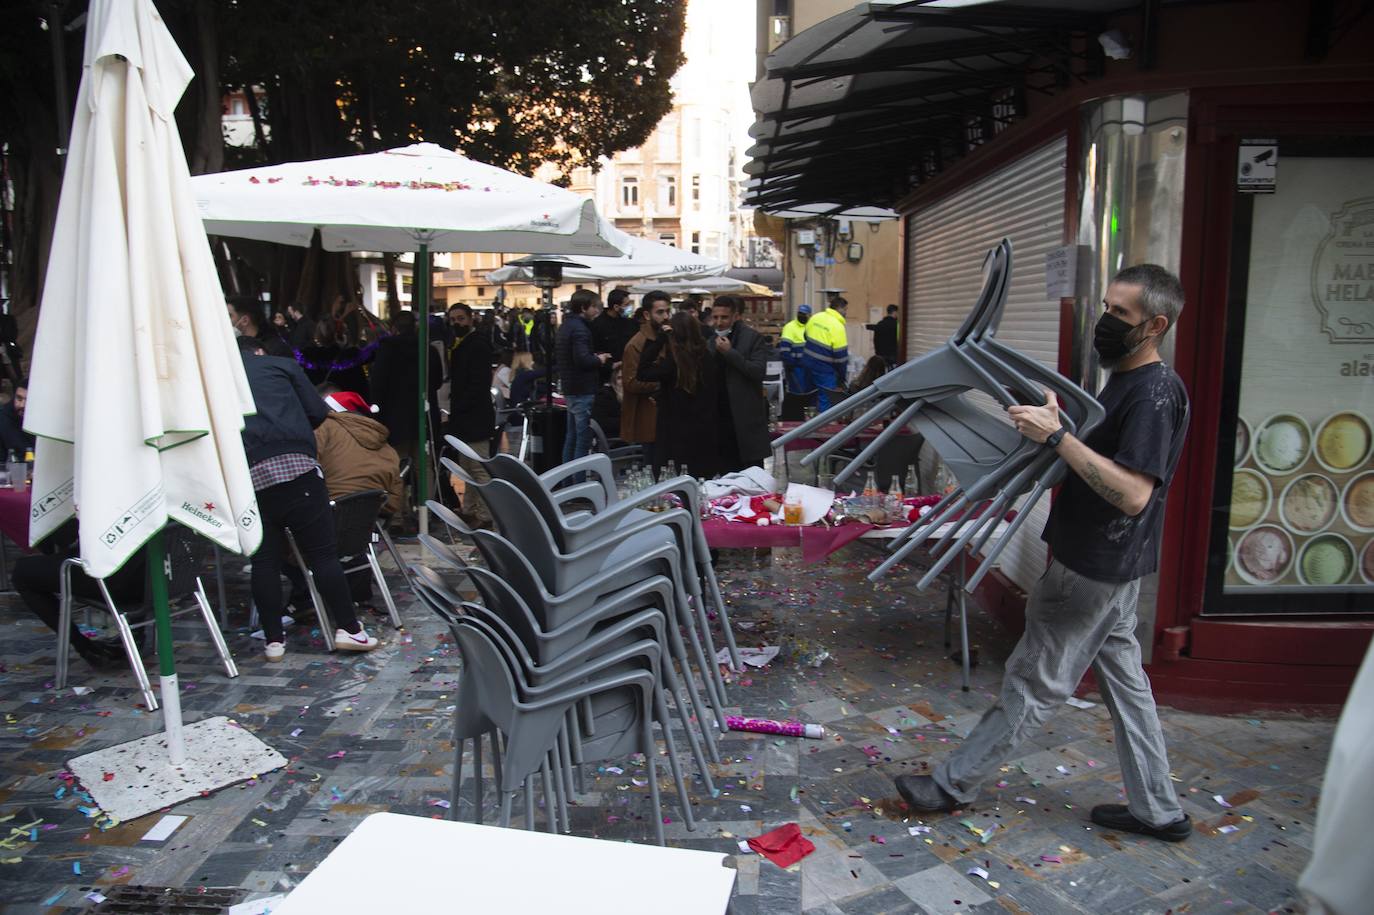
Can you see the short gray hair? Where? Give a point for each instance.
(1161, 293)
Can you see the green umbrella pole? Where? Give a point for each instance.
(159, 571)
(421, 282)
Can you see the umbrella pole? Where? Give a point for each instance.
(159, 571)
(421, 283)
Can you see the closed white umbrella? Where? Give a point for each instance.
(643, 259)
(710, 285)
(138, 390)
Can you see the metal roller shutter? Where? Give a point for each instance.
(1023, 201)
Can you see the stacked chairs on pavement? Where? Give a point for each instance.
(591, 625)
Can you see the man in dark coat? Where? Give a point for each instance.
(579, 370)
(472, 412)
(13, 438)
(395, 383)
(613, 329)
(885, 337)
(743, 362)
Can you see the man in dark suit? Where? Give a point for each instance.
(742, 354)
(885, 336)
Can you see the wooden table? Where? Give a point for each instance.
(405, 864)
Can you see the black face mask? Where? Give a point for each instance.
(1111, 339)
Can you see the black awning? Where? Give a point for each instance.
(862, 107)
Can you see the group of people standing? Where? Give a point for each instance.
(691, 392)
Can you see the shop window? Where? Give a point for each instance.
(1294, 528)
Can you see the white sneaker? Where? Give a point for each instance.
(348, 641)
(286, 621)
(275, 651)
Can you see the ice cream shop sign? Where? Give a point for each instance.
(1343, 279)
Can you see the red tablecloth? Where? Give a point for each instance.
(14, 515)
(827, 432)
(816, 541)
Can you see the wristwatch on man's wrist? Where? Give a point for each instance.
(1055, 437)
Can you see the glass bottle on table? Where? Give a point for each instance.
(870, 495)
(912, 486)
(894, 499)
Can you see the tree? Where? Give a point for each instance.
(514, 83)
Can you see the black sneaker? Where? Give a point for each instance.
(1116, 816)
(922, 793)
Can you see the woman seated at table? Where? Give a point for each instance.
(38, 579)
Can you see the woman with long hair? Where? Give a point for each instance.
(688, 416)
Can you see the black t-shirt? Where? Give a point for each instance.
(1146, 421)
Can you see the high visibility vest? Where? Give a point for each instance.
(793, 341)
(528, 325)
(826, 340)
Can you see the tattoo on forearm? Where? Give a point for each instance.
(1098, 485)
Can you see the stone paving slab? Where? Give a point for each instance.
(370, 733)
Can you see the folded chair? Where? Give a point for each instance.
(187, 557)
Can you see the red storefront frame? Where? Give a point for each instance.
(1298, 661)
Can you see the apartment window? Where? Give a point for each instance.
(629, 191)
(667, 193)
(238, 107)
(668, 238)
(481, 292)
(696, 192)
(696, 242)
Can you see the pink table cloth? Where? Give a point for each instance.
(14, 515)
(816, 541)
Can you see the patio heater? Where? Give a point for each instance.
(547, 270)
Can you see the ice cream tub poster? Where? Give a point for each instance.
(1302, 485)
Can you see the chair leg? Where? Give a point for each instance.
(477, 786)
(230, 669)
(529, 801)
(555, 799)
(496, 754)
(395, 555)
(713, 585)
(661, 710)
(219, 588)
(326, 629)
(693, 742)
(650, 751)
(679, 651)
(126, 635)
(506, 798)
(381, 586)
(563, 778)
(453, 796)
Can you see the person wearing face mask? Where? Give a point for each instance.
(471, 413)
(612, 329)
(1103, 533)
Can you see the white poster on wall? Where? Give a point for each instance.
(1302, 502)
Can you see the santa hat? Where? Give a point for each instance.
(349, 402)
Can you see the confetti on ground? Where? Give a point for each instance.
(1221, 800)
(977, 872)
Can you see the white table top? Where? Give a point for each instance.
(406, 864)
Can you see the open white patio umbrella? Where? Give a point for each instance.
(643, 259)
(138, 390)
(420, 198)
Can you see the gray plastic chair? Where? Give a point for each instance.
(620, 537)
(529, 554)
(187, 556)
(531, 725)
(598, 467)
(565, 620)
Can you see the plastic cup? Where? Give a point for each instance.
(792, 513)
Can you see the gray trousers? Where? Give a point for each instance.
(1073, 622)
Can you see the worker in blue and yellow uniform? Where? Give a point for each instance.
(791, 346)
(826, 353)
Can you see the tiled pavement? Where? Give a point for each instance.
(887, 695)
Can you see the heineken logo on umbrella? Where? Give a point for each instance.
(202, 513)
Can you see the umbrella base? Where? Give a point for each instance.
(218, 754)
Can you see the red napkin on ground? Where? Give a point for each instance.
(783, 846)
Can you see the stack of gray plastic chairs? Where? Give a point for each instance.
(561, 592)
(994, 464)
